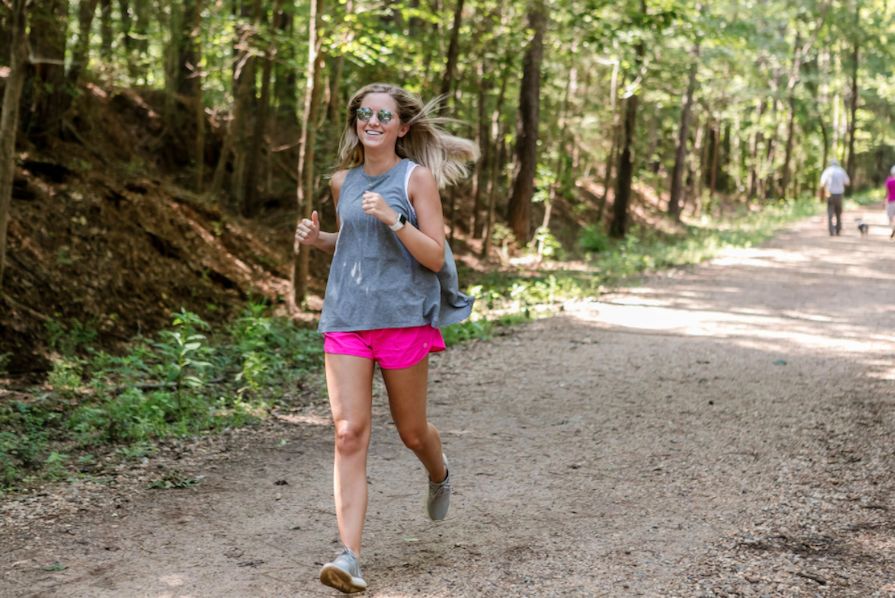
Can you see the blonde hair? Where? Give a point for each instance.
(425, 143)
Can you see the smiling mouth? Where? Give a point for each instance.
(373, 133)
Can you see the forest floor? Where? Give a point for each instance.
(725, 430)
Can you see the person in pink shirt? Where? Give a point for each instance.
(890, 200)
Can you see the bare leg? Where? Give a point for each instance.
(349, 380)
(407, 399)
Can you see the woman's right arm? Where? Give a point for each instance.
(312, 235)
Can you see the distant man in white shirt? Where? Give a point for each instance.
(833, 180)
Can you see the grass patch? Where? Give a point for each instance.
(524, 294)
(186, 381)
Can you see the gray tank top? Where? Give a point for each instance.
(374, 281)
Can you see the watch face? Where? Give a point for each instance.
(402, 219)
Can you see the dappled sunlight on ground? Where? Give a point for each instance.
(808, 284)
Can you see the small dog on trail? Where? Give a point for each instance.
(863, 228)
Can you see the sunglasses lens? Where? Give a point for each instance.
(384, 116)
(364, 114)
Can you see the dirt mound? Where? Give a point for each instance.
(94, 238)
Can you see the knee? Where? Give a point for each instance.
(415, 437)
(351, 437)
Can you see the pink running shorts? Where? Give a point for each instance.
(391, 348)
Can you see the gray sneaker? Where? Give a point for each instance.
(343, 573)
(439, 499)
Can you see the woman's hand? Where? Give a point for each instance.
(374, 205)
(308, 231)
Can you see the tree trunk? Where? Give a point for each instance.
(127, 41)
(852, 123)
(49, 26)
(527, 131)
(105, 27)
(497, 131)
(313, 94)
(757, 140)
(619, 224)
(200, 102)
(484, 143)
(613, 144)
(81, 52)
(716, 142)
(618, 227)
(286, 87)
(252, 203)
(791, 119)
(334, 110)
(236, 132)
(141, 29)
(680, 157)
(189, 44)
(453, 52)
(737, 157)
(9, 118)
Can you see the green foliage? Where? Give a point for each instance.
(594, 239)
(180, 350)
(65, 377)
(67, 340)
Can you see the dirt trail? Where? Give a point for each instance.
(722, 431)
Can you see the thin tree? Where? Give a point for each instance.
(497, 131)
(680, 156)
(519, 210)
(450, 70)
(9, 119)
(619, 224)
(483, 140)
(304, 193)
(251, 204)
(852, 122)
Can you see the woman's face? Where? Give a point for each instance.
(374, 134)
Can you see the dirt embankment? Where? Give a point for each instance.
(100, 233)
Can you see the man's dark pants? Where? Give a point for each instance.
(834, 207)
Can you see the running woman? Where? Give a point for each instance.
(392, 285)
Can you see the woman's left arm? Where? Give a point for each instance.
(425, 243)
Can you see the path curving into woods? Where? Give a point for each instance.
(726, 430)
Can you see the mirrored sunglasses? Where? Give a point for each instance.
(364, 114)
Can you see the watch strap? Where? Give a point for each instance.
(402, 220)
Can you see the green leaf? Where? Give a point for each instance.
(55, 567)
